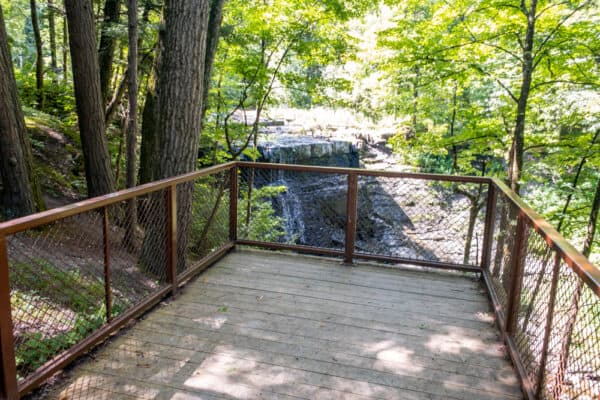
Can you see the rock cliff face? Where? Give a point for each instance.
(397, 217)
(294, 149)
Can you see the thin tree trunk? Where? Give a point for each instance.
(39, 60)
(16, 194)
(115, 102)
(149, 146)
(132, 91)
(517, 149)
(452, 128)
(90, 108)
(120, 151)
(415, 104)
(212, 42)
(180, 98)
(52, 34)
(106, 51)
(65, 51)
(201, 240)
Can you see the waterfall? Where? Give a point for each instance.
(292, 212)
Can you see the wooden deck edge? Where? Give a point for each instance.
(384, 262)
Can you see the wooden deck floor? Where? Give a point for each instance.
(263, 325)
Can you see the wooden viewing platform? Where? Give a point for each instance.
(278, 325)
(261, 325)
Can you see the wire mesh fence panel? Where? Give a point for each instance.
(573, 367)
(57, 287)
(302, 208)
(502, 247)
(534, 303)
(137, 249)
(208, 222)
(421, 220)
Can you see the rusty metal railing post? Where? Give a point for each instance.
(539, 393)
(8, 368)
(233, 203)
(351, 217)
(488, 229)
(107, 288)
(171, 233)
(516, 274)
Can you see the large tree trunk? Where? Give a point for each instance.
(90, 109)
(180, 85)
(106, 51)
(52, 34)
(39, 60)
(212, 43)
(16, 195)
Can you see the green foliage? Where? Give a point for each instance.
(274, 52)
(59, 97)
(70, 303)
(264, 224)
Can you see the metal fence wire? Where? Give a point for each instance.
(73, 276)
(292, 207)
(422, 220)
(57, 287)
(207, 229)
(505, 224)
(78, 274)
(556, 332)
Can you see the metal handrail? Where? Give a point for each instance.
(585, 270)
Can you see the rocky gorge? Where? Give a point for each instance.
(403, 217)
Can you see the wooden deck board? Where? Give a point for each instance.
(262, 325)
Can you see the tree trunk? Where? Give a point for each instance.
(90, 108)
(16, 194)
(517, 149)
(452, 128)
(149, 145)
(65, 51)
(52, 33)
(415, 105)
(39, 60)
(130, 175)
(179, 120)
(132, 92)
(106, 51)
(212, 42)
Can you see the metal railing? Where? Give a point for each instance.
(72, 276)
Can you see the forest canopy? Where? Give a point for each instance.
(472, 87)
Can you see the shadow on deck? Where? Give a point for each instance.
(273, 325)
